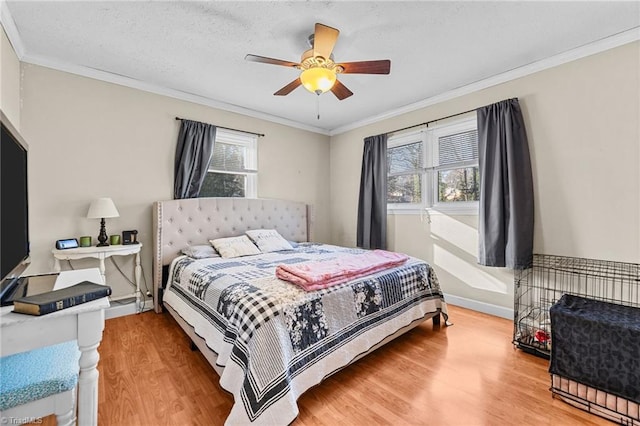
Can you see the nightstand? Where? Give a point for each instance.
(101, 253)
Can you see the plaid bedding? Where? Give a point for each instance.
(275, 340)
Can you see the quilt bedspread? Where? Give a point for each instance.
(275, 340)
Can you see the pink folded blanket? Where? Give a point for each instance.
(318, 275)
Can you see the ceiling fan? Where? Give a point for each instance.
(319, 71)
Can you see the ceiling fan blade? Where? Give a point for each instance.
(341, 91)
(289, 88)
(324, 39)
(367, 67)
(272, 61)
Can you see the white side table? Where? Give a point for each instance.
(85, 322)
(101, 253)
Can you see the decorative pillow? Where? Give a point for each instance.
(269, 240)
(200, 251)
(234, 246)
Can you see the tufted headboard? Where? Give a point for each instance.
(180, 223)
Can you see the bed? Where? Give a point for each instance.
(270, 340)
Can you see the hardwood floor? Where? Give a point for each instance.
(468, 374)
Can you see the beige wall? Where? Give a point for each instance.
(583, 123)
(9, 81)
(90, 139)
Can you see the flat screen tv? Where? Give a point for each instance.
(14, 206)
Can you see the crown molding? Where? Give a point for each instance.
(16, 41)
(11, 30)
(164, 91)
(598, 46)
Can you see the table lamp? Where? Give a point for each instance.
(99, 209)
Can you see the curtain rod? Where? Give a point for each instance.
(441, 118)
(227, 128)
(426, 123)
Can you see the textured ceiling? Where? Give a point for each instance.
(199, 47)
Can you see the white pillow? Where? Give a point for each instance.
(203, 251)
(234, 246)
(269, 240)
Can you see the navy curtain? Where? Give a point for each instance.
(505, 223)
(372, 202)
(193, 155)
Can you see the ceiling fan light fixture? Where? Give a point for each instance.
(318, 79)
(318, 67)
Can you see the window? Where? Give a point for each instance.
(233, 169)
(405, 170)
(435, 168)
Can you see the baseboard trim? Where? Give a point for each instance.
(475, 305)
(129, 308)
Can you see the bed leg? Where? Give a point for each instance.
(436, 320)
(194, 347)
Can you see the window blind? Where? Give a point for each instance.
(457, 148)
(229, 158)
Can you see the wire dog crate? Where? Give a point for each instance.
(549, 277)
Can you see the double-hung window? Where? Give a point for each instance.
(233, 170)
(435, 168)
(406, 171)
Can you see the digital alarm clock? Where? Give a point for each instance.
(67, 244)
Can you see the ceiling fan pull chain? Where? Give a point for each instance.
(318, 105)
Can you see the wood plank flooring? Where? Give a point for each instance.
(468, 374)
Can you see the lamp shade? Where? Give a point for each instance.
(102, 207)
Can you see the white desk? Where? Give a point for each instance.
(85, 322)
(101, 253)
